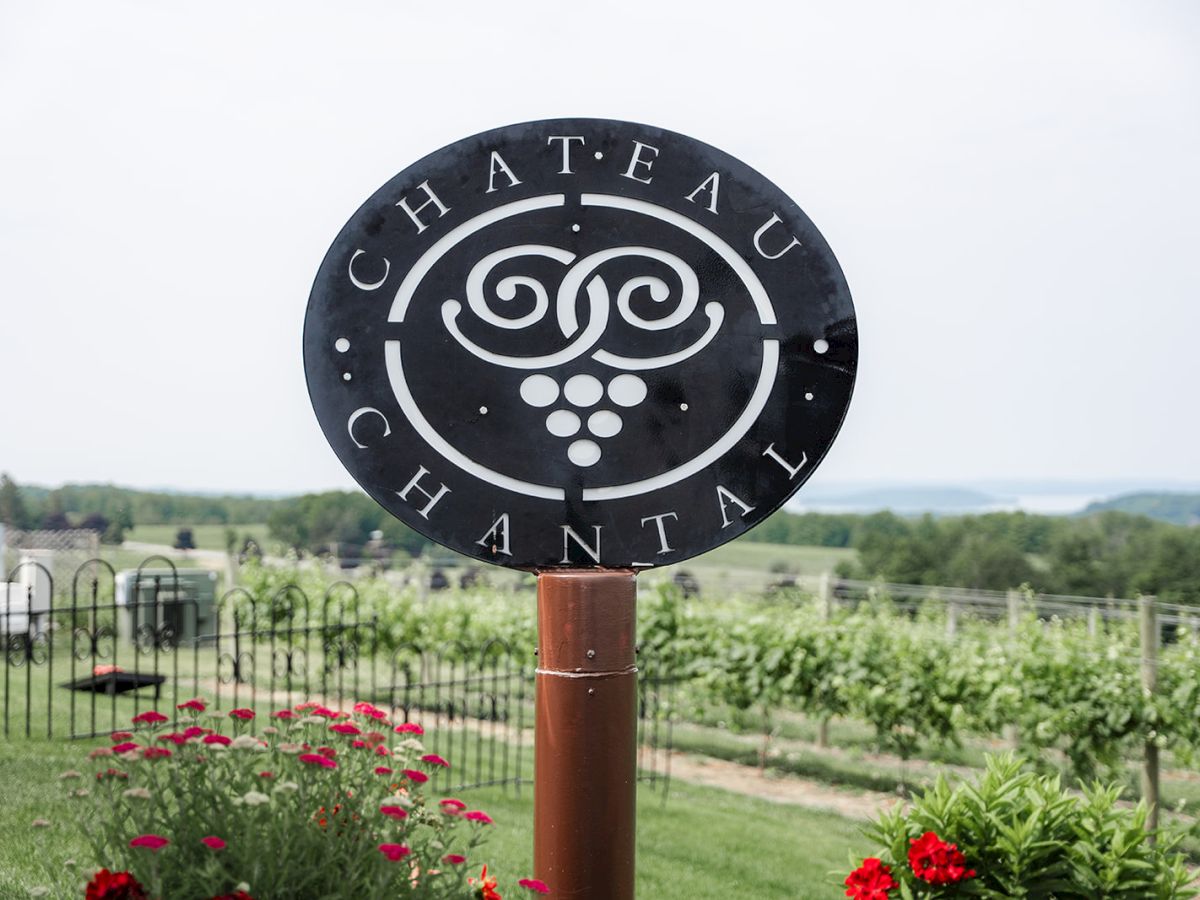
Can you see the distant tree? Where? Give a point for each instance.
(95, 522)
(230, 540)
(13, 511)
(184, 539)
(55, 521)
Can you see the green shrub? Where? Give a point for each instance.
(1017, 834)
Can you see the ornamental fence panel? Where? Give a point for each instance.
(81, 663)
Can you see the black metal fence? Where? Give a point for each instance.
(84, 665)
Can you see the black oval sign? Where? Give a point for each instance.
(580, 342)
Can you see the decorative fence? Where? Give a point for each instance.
(83, 665)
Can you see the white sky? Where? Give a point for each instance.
(1012, 190)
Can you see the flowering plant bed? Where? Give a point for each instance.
(1017, 834)
(318, 804)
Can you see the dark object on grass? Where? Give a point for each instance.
(117, 683)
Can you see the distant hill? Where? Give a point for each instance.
(1178, 509)
(902, 500)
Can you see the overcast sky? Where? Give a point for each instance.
(1012, 190)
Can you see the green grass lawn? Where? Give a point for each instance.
(207, 537)
(700, 844)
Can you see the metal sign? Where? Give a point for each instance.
(580, 342)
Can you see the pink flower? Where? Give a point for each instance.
(217, 739)
(381, 750)
(283, 714)
(150, 717)
(316, 759)
(150, 842)
(345, 728)
(118, 736)
(100, 751)
(382, 770)
(478, 815)
(327, 752)
(324, 711)
(196, 705)
(394, 812)
(212, 842)
(366, 709)
(394, 852)
(304, 707)
(452, 807)
(244, 714)
(126, 747)
(434, 760)
(155, 753)
(174, 737)
(454, 859)
(532, 884)
(409, 728)
(416, 777)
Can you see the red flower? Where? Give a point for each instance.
(150, 717)
(117, 737)
(156, 753)
(283, 714)
(327, 752)
(366, 709)
(478, 815)
(434, 760)
(175, 737)
(217, 739)
(236, 895)
(358, 745)
(382, 770)
(266, 774)
(345, 728)
(126, 747)
(316, 759)
(409, 728)
(152, 842)
(532, 884)
(870, 881)
(193, 705)
(106, 885)
(416, 777)
(394, 812)
(451, 806)
(454, 859)
(110, 773)
(381, 750)
(487, 886)
(394, 852)
(304, 707)
(195, 731)
(212, 842)
(244, 714)
(937, 862)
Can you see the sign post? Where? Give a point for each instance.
(581, 348)
(585, 749)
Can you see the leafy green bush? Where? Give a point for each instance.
(1017, 834)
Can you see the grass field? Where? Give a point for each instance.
(207, 537)
(700, 844)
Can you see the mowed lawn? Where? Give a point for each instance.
(206, 537)
(700, 844)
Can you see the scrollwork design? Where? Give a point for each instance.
(581, 276)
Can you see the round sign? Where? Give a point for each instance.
(580, 342)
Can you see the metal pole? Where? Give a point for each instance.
(585, 740)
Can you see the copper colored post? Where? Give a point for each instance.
(585, 744)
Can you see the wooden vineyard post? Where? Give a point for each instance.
(1149, 645)
(585, 738)
(824, 605)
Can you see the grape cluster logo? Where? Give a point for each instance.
(578, 343)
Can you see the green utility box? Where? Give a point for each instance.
(159, 607)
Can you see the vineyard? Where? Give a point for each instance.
(1068, 692)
